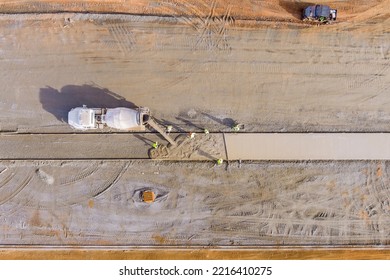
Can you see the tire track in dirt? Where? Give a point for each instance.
(111, 181)
(80, 195)
(211, 33)
(67, 192)
(363, 82)
(373, 80)
(290, 206)
(15, 191)
(321, 221)
(384, 189)
(328, 221)
(317, 223)
(123, 36)
(375, 206)
(211, 29)
(8, 177)
(89, 171)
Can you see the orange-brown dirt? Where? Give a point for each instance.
(196, 254)
(289, 10)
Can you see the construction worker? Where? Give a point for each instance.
(206, 131)
(219, 161)
(192, 135)
(169, 128)
(155, 145)
(236, 127)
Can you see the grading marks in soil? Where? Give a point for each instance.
(211, 29)
(50, 188)
(342, 203)
(12, 185)
(123, 36)
(270, 78)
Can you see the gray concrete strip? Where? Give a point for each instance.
(109, 146)
(76, 146)
(244, 146)
(308, 146)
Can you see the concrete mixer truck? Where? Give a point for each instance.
(121, 118)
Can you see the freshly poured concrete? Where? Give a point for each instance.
(308, 146)
(244, 146)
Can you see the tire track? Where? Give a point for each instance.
(17, 190)
(111, 181)
(85, 195)
(43, 196)
(293, 227)
(211, 28)
(123, 36)
(213, 31)
(382, 191)
(318, 223)
(362, 82)
(7, 178)
(90, 170)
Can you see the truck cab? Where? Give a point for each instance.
(82, 118)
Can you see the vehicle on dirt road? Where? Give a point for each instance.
(121, 118)
(320, 13)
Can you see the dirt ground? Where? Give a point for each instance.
(288, 10)
(196, 65)
(199, 204)
(270, 79)
(195, 254)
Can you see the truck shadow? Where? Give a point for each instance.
(229, 122)
(294, 8)
(60, 102)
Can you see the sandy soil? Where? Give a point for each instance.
(271, 80)
(195, 254)
(207, 66)
(197, 204)
(278, 10)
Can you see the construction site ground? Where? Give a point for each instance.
(196, 65)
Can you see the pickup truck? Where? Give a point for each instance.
(321, 13)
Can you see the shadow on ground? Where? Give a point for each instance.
(59, 103)
(226, 121)
(295, 8)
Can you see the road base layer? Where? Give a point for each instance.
(203, 147)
